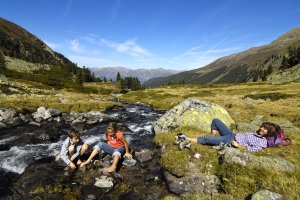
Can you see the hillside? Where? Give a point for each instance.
(250, 65)
(28, 57)
(142, 74)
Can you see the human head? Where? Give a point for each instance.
(111, 128)
(267, 129)
(74, 135)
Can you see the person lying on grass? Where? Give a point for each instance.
(116, 146)
(251, 141)
(71, 150)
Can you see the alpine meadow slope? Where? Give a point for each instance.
(27, 57)
(254, 64)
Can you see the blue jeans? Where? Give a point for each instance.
(108, 149)
(226, 135)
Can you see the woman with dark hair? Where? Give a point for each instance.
(252, 141)
(116, 146)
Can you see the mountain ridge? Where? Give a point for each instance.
(142, 74)
(238, 67)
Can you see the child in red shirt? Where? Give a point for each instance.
(116, 146)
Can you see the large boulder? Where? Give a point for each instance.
(233, 155)
(192, 183)
(192, 113)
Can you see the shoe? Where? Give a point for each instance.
(181, 136)
(184, 144)
(220, 147)
(178, 141)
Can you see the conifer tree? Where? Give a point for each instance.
(118, 78)
(2, 61)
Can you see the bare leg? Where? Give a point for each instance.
(82, 150)
(113, 167)
(214, 132)
(93, 154)
(192, 139)
(71, 150)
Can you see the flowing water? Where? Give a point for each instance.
(24, 145)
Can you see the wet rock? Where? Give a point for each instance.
(34, 123)
(25, 118)
(45, 114)
(193, 113)
(193, 183)
(129, 162)
(16, 121)
(104, 182)
(2, 125)
(7, 114)
(266, 195)
(232, 155)
(144, 155)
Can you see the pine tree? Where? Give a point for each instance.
(2, 61)
(270, 69)
(79, 77)
(284, 63)
(118, 78)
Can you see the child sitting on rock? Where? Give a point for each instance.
(116, 146)
(71, 150)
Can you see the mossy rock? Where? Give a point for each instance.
(192, 113)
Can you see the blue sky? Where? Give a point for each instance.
(172, 34)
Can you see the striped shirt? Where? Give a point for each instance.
(253, 141)
(64, 152)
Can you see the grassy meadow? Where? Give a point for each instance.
(276, 102)
(26, 96)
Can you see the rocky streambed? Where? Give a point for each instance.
(27, 152)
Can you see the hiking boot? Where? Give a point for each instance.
(181, 136)
(178, 141)
(184, 144)
(220, 147)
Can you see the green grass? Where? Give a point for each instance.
(276, 102)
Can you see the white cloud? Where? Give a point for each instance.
(128, 47)
(75, 46)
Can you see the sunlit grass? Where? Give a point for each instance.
(280, 102)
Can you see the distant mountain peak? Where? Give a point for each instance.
(142, 74)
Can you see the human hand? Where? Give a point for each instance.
(237, 145)
(128, 155)
(72, 166)
(83, 163)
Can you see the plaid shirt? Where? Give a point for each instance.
(253, 141)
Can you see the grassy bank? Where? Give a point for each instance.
(276, 102)
(26, 96)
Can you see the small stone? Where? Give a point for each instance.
(197, 155)
(104, 182)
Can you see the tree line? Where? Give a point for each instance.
(292, 59)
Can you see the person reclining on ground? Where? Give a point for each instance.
(251, 141)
